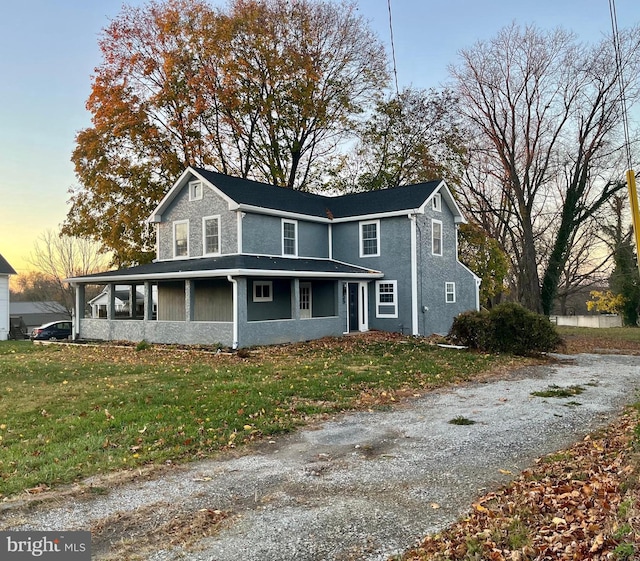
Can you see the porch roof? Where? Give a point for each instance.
(235, 266)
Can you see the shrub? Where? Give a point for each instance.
(143, 346)
(507, 328)
(471, 329)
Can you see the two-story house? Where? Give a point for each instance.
(242, 263)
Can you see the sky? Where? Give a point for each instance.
(49, 50)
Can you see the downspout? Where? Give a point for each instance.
(234, 282)
(415, 330)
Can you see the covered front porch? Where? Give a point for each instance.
(230, 308)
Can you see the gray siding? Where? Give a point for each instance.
(436, 270)
(278, 308)
(262, 235)
(324, 298)
(394, 261)
(313, 239)
(435, 315)
(182, 208)
(178, 332)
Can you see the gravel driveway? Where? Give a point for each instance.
(360, 486)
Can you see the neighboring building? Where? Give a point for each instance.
(122, 297)
(242, 263)
(5, 271)
(35, 314)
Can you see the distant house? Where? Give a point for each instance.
(121, 299)
(243, 263)
(34, 314)
(5, 271)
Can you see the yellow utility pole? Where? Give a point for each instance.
(635, 213)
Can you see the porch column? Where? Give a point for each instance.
(80, 301)
(79, 310)
(295, 299)
(148, 301)
(189, 300)
(111, 301)
(133, 304)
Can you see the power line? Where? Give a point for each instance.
(393, 49)
(623, 101)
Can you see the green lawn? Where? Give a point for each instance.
(613, 334)
(67, 412)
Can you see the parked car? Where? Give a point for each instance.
(52, 331)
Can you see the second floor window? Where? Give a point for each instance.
(195, 190)
(211, 228)
(289, 237)
(181, 238)
(369, 239)
(437, 202)
(436, 237)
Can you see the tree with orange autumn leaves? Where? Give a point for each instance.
(265, 89)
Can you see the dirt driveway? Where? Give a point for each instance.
(360, 486)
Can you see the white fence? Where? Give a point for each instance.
(588, 321)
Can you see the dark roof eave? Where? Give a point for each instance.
(217, 273)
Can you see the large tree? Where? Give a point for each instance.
(408, 138)
(263, 89)
(543, 114)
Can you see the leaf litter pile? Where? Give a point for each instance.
(582, 503)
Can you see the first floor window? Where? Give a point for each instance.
(387, 299)
(181, 239)
(262, 291)
(369, 239)
(211, 235)
(450, 292)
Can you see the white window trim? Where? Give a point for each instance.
(436, 202)
(452, 292)
(360, 227)
(433, 237)
(175, 224)
(295, 228)
(196, 194)
(204, 235)
(257, 298)
(379, 304)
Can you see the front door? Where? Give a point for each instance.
(358, 307)
(305, 300)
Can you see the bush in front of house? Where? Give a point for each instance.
(506, 328)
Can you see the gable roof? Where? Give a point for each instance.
(246, 194)
(5, 268)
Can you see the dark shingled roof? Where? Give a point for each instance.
(247, 265)
(254, 193)
(5, 268)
